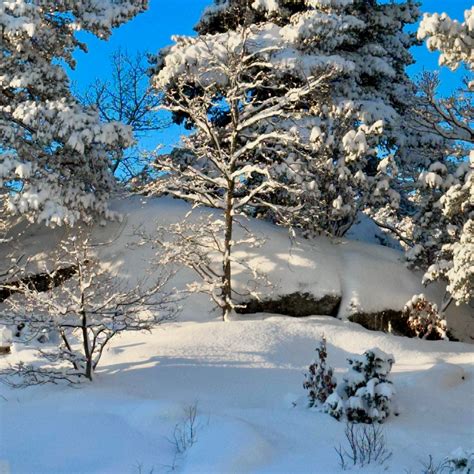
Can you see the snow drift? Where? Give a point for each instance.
(364, 279)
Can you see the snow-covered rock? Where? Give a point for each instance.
(369, 279)
(5, 340)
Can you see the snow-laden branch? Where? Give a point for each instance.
(83, 313)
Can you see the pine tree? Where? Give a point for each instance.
(54, 161)
(358, 132)
(443, 227)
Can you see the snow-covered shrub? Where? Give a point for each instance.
(423, 319)
(444, 230)
(461, 461)
(365, 394)
(458, 462)
(319, 381)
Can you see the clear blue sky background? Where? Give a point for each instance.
(152, 30)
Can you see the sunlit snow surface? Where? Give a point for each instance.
(245, 375)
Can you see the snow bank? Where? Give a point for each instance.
(369, 278)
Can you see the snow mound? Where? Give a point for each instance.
(368, 278)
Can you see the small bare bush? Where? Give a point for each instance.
(431, 467)
(185, 434)
(366, 445)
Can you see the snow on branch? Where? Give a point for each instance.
(83, 314)
(55, 158)
(454, 40)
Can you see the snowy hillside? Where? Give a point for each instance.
(363, 279)
(244, 377)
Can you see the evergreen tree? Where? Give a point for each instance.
(54, 164)
(443, 227)
(358, 134)
(366, 393)
(319, 381)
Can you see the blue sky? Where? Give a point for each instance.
(153, 29)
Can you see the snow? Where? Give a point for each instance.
(366, 230)
(5, 337)
(369, 278)
(245, 375)
(453, 39)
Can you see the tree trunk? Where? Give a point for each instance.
(87, 351)
(227, 268)
(447, 300)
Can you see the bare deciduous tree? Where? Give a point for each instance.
(451, 117)
(85, 312)
(127, 97)
(199, 245)
(233, 156)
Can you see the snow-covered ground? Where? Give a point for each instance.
(245, 375)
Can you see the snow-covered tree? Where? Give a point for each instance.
(81, 315)
(198, 244)
(365, 394)
(453, 39)
(443, 231)
(54, 158)
(234, 156)
(358, 133)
